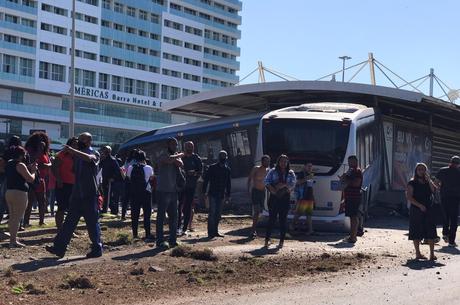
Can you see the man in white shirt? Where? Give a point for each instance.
(140, 174)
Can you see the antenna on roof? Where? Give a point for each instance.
(261, 72)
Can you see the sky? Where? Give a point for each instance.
(304, 38)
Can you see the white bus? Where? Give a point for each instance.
(324, 134)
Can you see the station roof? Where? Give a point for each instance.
(245, 99)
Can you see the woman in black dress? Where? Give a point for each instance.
(421, 221)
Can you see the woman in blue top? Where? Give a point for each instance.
(280, 182)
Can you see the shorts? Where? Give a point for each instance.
(258, 199)
(305, 207)
(352, 207)
(63, 196)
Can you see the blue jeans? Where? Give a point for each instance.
(167, 203)
(51, 199)
(86, 207)
(214, 214)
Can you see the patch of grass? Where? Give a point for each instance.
(362, 256)
(29, 289)
(195, 280)
(72, 280)
(18, 289)
(205, 254)
(120, 239)
(8, 272)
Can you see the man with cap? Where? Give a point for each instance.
(167, 189)
(219, 179)
(449, 179)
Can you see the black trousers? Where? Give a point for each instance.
(185, 207)
(278, 208)
(138, 201)
(450, 207)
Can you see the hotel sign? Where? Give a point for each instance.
(117, 97)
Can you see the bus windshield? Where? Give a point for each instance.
(318, 141)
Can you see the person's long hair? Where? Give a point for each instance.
(278, 167)
(414, 177)
(33, 142)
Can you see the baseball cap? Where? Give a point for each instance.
(455, 160)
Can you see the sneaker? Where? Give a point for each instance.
(281, 244)
(174, 244)
(219, 235)
(94, 254)
(17, 245)
(445, 238)
(179, 232)
(349, 240)
(149, 239)
(163, 245)
(453, 245)
(54, 251)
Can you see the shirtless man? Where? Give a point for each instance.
(256, 188)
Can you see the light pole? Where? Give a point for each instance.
(344, 58)
(72, 78)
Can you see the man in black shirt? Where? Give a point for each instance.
(449, 180)
(111, 180)
(193, 168)
(220, 183)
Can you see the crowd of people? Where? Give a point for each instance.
(88, 183)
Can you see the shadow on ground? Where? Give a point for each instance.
(45, 262)
(449, 250)
(415, 264)
(139, 255)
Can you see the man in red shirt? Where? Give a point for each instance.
(65, 179)
(352, 181)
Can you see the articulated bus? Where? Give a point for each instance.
(325, 134)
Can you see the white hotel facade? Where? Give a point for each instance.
(132, 59)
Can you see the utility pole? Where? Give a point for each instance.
(344, 58)
(371, 67)
(431, 81)
(72, 77)
(261, 72)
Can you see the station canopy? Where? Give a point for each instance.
(245, 99)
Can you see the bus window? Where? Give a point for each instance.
(208, 150)
(239, 143)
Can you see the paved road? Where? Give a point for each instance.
(414, 283)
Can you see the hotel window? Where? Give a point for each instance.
(107, 4)
(28, 42)
(129, 84)
(118, 27)
(140, 87)
(10, 38)
(116, 83)
(60, 11)
(142, 50)
(160, 2)
(143, 33)
(9, 64)
(45, 46)
(131, 30)
(154, 69)
(26, 67)
(131, 11)
(142, 67)
(154, 18)
(169, 92)
(57, 72)
(105, 59)
(44, 70)
(59, 49)
(59, 30)
(118, 7)
(153, 90)
(175, 6)
(117, 61)
(88, 55)
(30, 3)
(106, 23)
(91, 2)
(28, 22)
(103, 81)
(89, 78)
(143, 15)
(118, 44)
(129, 64)
(11, 18)
(130, 47)
(190, 11)
(105, 41)
(154, 36)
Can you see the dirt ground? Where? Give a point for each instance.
(133, 272)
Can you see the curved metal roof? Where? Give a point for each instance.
(245, 99)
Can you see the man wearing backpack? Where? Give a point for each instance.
(169, 165)
(111, 180)
(139, 174)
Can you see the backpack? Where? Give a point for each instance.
(137, 180)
